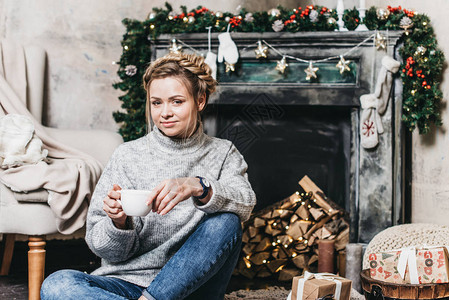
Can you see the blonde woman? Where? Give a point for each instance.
(187, 247)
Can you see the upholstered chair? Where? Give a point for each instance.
(29, 216)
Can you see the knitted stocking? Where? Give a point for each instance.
(211, 61)
(227, 49)
(384, 82)
(369, 122)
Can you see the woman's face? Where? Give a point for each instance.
(173, 109)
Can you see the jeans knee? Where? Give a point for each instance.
(58, 283)
(228, 223)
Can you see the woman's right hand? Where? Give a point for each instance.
(113, 208)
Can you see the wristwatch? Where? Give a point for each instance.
(206, 185)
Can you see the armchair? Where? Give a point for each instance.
(29, 217)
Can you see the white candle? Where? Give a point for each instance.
(340, 7)
(362, 4)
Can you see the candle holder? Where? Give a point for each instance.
(340, 12)
(362, 26)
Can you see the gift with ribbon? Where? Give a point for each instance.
(318, 285)
(414, 265)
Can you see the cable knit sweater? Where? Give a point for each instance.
(137, 254)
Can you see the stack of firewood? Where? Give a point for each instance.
(282, 238)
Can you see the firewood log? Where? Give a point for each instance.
(263, 245)
(248, 248)
(342, 240)
(287, 274)
(309, 186)
(303, 212)
(259, 222)
(276, 265)
(317, 213)
(252, 231)
(259, 258)
(301, 261)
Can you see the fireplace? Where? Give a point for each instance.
(287, 127)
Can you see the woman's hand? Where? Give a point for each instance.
(113, 208)
(170, 192)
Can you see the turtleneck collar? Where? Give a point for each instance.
(174, 145)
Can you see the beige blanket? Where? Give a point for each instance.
(69, 177)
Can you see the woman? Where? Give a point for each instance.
(187, 247)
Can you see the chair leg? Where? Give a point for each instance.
(8, 250)
(36, 266)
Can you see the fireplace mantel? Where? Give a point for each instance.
(374, 184)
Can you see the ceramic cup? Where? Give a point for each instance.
(134, 202)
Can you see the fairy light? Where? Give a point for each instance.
(330, 209)
(309, 206)
(126, 47)
(307, 219)
(302, 203)
(294, 255)
(297, 193)
(273, 243)
(306, 241)
(286, 246)
(314, 200)
(300, 238)
(286, 227)
(275, 224)
(264, 261)
(278, 241)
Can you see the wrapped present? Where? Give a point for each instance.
(411, 265)
(432, 265)
(314, 286)
(384, 266)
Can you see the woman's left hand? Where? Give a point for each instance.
(170, 192)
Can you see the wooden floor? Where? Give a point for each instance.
(74, 254)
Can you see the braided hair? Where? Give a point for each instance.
(189, 68)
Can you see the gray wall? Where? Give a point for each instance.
(82, 39)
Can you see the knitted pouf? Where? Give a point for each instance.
(406, 235)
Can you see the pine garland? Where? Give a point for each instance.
(421, 69)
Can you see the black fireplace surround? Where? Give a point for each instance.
(287, 127)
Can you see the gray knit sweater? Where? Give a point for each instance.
(137, 254)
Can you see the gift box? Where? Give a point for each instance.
(384, 266)
(432, 264)
(421, 265)
(312, 286)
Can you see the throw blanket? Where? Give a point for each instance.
(69, 176)
(18, 143)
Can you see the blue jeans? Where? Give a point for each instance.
(201, 269)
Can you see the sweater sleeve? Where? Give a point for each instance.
(232, 192)
(102, 237)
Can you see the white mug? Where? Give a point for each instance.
(134, 202)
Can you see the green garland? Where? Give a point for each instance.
(421, 70)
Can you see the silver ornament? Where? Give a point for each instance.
(274, 12)
(151, 15)
(331, 21)
(313, 16)
(249, 17)
(382, 14)
(278, 25)
(227, 19)
(191, 19)
(406, 23)
(219, 14)
(130, 70)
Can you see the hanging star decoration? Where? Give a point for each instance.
(343, 65)
(175, 48)
(229, 67)
(311, 71)
(282, 65)
(261, 50)
(380, 41)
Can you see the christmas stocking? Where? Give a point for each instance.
(385, 82)
(370, 122)
(211, 61)
(227, 49)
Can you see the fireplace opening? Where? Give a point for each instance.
(282, 143)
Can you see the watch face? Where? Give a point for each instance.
(206, 183)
